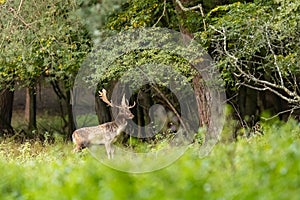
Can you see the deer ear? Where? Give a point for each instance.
(123, 101)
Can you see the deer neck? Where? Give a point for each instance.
(120, 121)
(121, 124)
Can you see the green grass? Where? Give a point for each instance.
(260, 167)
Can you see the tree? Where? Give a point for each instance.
(256, 46)
(62, 47)
(42, 39)
(201, 91)
(6, 103)
(170, 14)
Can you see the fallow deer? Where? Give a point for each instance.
(106, 133)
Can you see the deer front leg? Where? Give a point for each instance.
(112, 151)
(108, 150)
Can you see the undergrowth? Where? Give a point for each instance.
(260, 167)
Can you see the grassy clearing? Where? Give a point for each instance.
(261, 167)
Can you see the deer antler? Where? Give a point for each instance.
(104, 97)
(125, 103)
(132, 105)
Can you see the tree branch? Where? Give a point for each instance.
(275, 58)
(163, 14)
(171, 106)
(282, 112)
(167, 101)
(264, 88)
(20, 5)
(292, 97)
(199, 6)
(16, 15)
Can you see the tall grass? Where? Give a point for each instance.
(260, 167)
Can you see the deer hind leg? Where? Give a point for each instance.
(76, 149)
(80, 145)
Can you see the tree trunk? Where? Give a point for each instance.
(6, 104)
(30, 108)
(102, 111)
(142, 116)
(71, 123)
(201, 91)
(64, 96)
(140, 121)
(202, 99)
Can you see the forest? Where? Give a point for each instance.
(204, 96)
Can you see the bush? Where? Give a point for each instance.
(264, 167)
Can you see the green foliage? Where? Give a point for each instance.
(259, 167)
(263, 37)
(49, 128)
(159, 141)
(131, 62)
(41, 39)
(136, 13)
(158, 55)
(95, 13)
